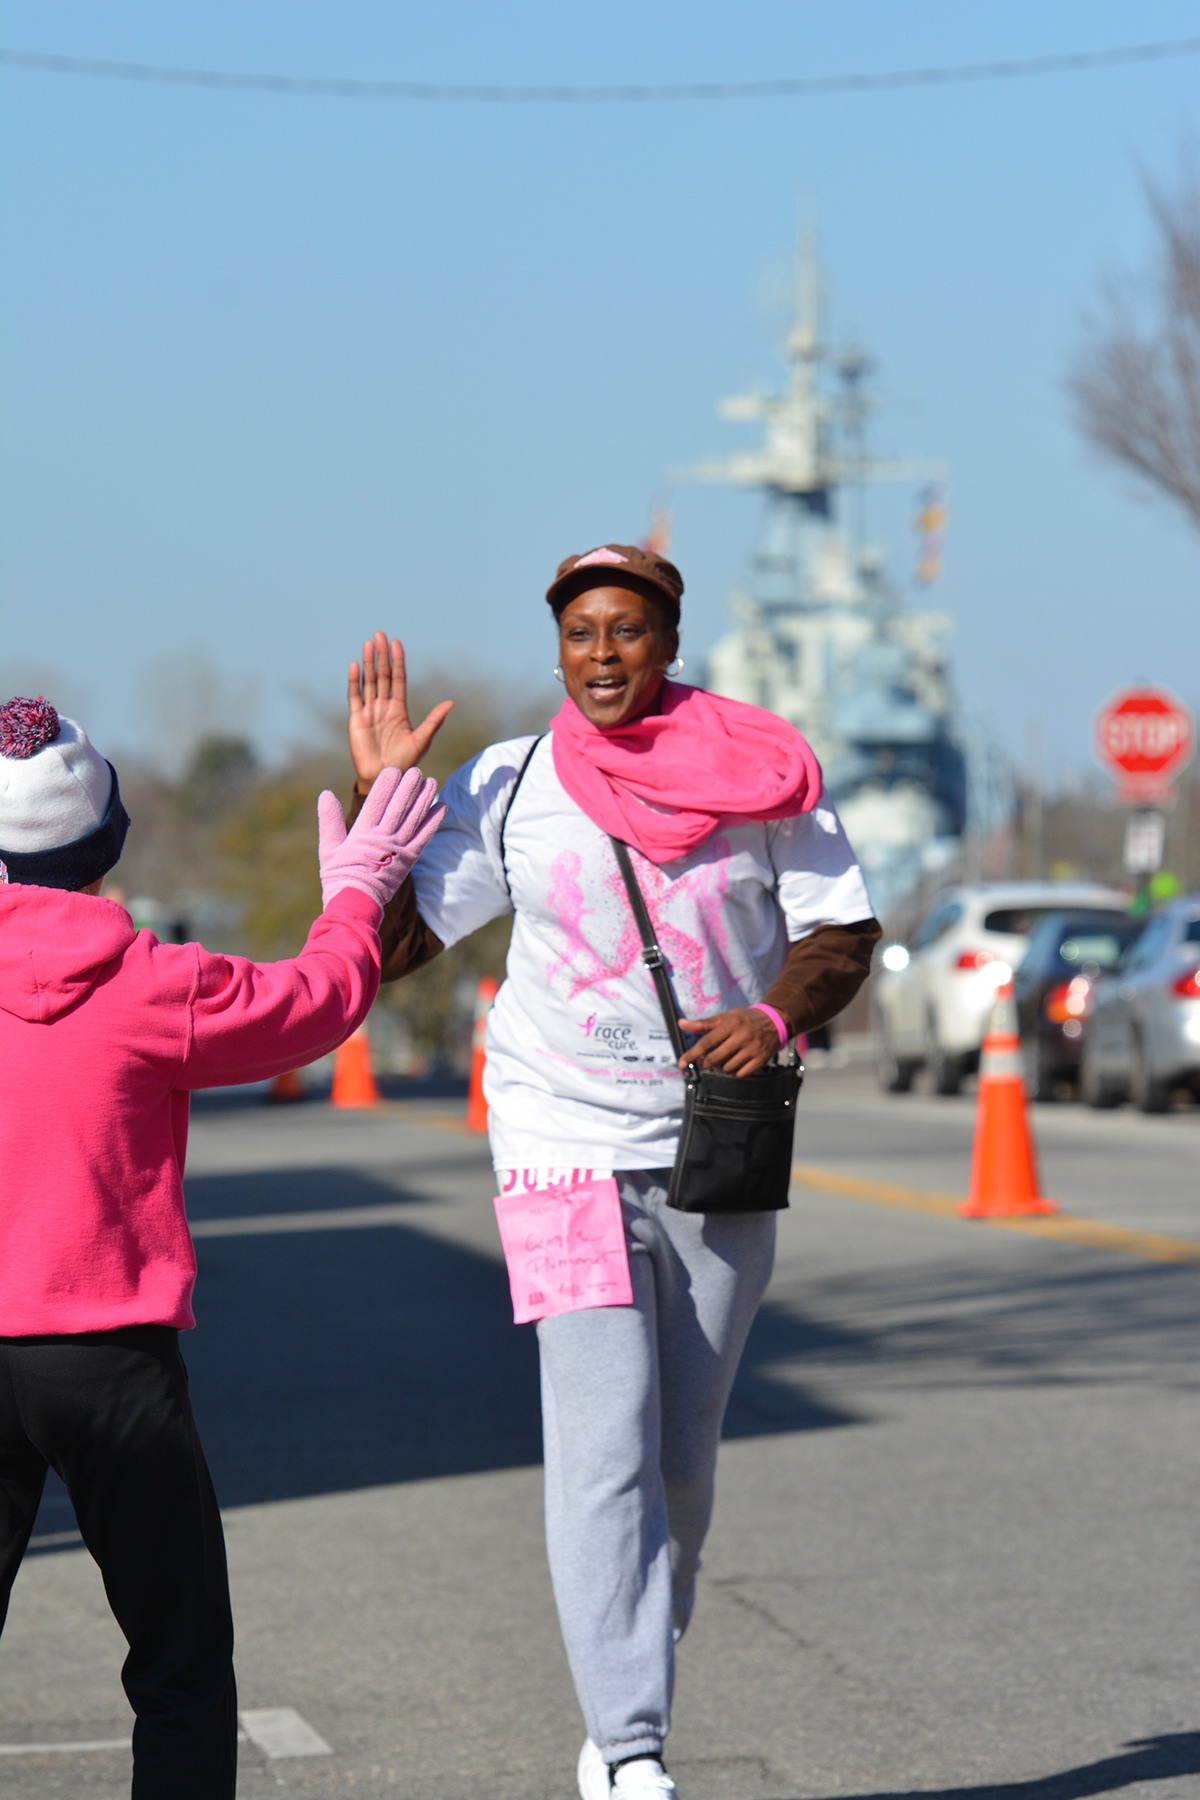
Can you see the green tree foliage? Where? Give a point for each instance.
(230, 833)
(219, 773)
(172, 852)
(267, 848)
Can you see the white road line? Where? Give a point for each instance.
(278, 1732)
(64, 1749)
(345, 1218)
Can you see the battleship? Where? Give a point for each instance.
(822, 634)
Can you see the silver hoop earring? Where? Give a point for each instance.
(558, 675)
(674, 671)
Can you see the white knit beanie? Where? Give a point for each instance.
(60, 807)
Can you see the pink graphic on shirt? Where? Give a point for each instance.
(698, 958)
(565, 899)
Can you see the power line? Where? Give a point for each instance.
(789, 87)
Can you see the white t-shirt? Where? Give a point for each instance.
(580, 1070)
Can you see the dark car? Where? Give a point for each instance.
(1143, 1038)
(1067, 954)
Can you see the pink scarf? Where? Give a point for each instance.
(664, 781)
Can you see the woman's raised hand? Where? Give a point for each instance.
(381, 734)
(738, 1042)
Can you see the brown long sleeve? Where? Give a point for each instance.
(405, 938)
(823, 973)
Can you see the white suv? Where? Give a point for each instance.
(932, 999)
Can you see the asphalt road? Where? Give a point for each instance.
(955, 1544)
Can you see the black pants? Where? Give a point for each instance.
(109, 1411)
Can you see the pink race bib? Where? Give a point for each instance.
(565, 1248)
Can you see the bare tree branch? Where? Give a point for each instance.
(1135, 382)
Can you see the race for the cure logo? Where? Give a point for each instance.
(614, 1036)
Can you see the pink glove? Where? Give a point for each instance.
(397, 821)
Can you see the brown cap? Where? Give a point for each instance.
(617, 565)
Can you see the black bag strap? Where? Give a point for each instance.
(512, 796)
(652, 956)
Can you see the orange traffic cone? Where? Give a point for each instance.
(353, 1082)
(1004, 1174)
(477, 1110)
(285, 1088)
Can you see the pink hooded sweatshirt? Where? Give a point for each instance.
(103, 1030)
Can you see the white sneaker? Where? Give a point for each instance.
(644, 1779)
(593, 1775)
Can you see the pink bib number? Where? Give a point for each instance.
(565, 1248)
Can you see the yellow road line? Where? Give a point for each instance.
(1067, 1227)
(415, 1114)
(883, 1193)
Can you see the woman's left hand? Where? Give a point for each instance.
(381, 734)
(738, 1042)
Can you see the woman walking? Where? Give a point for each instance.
(766, 927)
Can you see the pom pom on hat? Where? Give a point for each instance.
(27, 726)
(62, 823)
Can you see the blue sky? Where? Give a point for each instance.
(276, 370)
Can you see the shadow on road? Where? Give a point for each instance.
(330, 1360)
(321, 1189)
(960, 1320)
(1148, 1759)
(327, 1360)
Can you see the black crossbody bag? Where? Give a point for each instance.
(735, 1145)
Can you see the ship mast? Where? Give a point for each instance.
(801, 462)
(822, 636)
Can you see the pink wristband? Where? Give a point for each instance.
(777, 1020)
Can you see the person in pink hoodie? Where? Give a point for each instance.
(103, 1033)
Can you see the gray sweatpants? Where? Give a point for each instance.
(632, 1403)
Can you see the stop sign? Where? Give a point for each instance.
(1144, 736)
